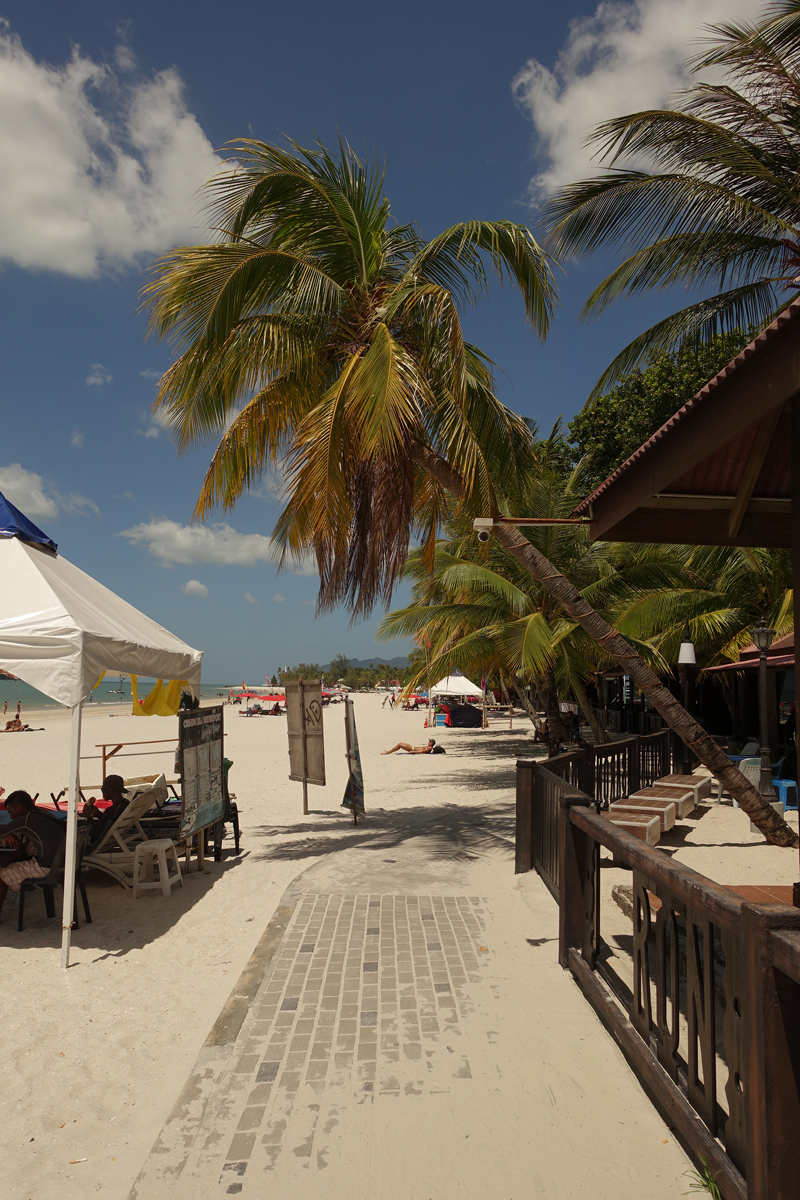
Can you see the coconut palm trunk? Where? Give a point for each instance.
(587, 708)
(769, 822)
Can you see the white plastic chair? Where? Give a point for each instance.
(751, 769)
(161, 853)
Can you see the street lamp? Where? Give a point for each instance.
(686, 664)
(763, 639)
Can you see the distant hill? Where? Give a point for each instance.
(377, 661)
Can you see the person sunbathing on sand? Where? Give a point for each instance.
(15, 726)
(409, 749)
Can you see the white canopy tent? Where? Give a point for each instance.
(455, 685)
(59, 631)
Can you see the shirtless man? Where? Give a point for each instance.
(409, 749)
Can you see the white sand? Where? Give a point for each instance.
(95, 1057)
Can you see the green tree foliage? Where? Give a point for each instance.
(274, 681)
(720, 208)
(339, 666)
(305, 671)
(610, 428)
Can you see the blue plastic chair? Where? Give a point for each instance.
(782, 787)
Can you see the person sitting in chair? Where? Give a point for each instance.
(113, 790)
(36, 835)
(409, 749)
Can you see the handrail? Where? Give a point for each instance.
(687, 885)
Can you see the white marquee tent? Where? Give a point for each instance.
(59, 631)
(455, 685)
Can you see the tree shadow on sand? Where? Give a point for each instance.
(455, 833)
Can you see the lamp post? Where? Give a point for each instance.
(686, 664)
(763, 638)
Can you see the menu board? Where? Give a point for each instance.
(202, 794)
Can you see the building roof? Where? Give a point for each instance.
(718, 472)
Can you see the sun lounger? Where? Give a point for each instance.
(114, 853)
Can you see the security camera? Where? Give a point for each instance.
(483, 526)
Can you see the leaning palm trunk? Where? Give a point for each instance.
(525, 702)
(556, 733)
(771, 824)
(587, 708)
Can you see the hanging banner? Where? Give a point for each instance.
(354, 792)
(200, 736)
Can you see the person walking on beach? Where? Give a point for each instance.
(409, 749)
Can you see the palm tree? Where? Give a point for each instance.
(719, 209)
(329, 340)
(480, 609)
(318, 340)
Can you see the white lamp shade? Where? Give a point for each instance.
(686, 656)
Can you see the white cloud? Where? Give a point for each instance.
(76, 503)
(193, 587)
(98, 375)
(77, 439)
(250, 599)
(278, 598)
(158, 421)
(37, 498)
(101, 164)
(310, 602)
(171, 543)
(151, 374)
(25, 489)
(624, 58)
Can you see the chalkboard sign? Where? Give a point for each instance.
(202, 795)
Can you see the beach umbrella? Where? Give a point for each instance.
(59, 631)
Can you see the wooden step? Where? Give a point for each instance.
(645, 827)
(663, 809)
(700, 784)
(683, 799)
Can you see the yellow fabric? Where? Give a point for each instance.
(100, 680)
(160, 701)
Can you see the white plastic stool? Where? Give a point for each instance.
(150, 854)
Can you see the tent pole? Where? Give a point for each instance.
(72, 833)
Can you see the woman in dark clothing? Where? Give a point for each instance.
(36, 835)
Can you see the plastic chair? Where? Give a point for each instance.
(55, 878)
(782, 787)
(751, 769)
(159, 853)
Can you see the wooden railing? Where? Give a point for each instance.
(711, 1024)
(627, 720)
(615, 770)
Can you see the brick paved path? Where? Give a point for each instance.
(364, 999)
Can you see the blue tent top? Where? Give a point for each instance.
(13, 523)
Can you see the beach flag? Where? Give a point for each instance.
(354, 792)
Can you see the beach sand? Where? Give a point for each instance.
(96, 1056)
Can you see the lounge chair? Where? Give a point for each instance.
(114, 852)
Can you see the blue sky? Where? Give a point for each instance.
(109, 115)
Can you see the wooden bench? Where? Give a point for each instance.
(683, 799)
(663, 809)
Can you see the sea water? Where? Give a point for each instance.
(110, 691)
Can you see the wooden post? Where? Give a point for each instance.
(586, 770)
(523, 857)
(795, 519)
(577, 908)
(634, 773)
(771, 1059)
